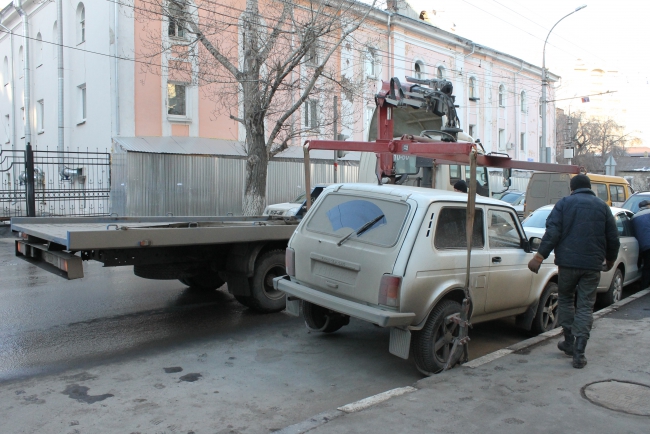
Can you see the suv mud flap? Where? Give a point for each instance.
(525, 320)
(400, 342)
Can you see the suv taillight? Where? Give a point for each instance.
(290, 261)
(389, 290)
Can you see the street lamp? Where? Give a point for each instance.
(545, 83)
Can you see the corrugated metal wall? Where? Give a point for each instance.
(157, 184)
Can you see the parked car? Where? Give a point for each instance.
(633, 202)
(516, 199)
(395, 256)
(625, 270)
(295, 208)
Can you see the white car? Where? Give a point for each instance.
(294, 208)
(625, 270)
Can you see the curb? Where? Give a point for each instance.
(323, 418)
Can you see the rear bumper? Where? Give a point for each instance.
(374, 315)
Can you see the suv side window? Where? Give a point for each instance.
(600, 190)
(502, 230)
(450, 229)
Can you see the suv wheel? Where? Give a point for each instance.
(614, 292)
(547, 310)
(319, 319)
(432, 344)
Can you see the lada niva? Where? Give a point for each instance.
(395, 256)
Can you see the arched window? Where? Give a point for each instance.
(81, 23)
(473, 89)
(418, 70)
(523, 101)
(176, 27)
(39, 49)
(5, 71)
(440, 73)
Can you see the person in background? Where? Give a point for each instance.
(641, 225)
(582, 231)
(460, 186)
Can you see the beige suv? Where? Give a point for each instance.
(395, 256)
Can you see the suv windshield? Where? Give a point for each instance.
(537, 219)
(341, 214)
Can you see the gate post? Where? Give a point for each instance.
(29, 174)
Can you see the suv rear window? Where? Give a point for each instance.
(450, 229)
(340, 214)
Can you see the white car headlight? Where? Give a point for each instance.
(292, 211)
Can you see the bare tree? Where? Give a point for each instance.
(592, 138)
(272, 67)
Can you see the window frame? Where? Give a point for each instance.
(418, 69)
(513, 223)
(39, 49)
(83, 104)
(522, 96)
(502, 95)
(370, 63)
(40, 116)
(310, 115)
(473, 89)
(522, 141)
(175, 20)
(478, 219)
(440, 72)
(81, 23)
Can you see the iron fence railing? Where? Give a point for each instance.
(64, 183)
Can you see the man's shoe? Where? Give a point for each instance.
(567, 344)
(579, 359)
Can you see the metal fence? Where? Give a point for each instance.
(64, 183)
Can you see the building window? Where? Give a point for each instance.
(502, 138)
(502, 96)
(39, 50)
(440, 73)
(8, 129)
(523, 101)
(176, 26)
(5, 71)
(418, 70)
(82, 103)
(311, 114)
(522, 141)
(176, 99)
(473, 89)
(81, 23)
(371, 63)
(472, 131)
(40, 112)
(370, 112)
(540, 107)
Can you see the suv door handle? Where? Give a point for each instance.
(496, 259)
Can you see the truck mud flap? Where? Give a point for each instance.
(60, 263)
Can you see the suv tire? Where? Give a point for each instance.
(319, 319)
(432, 345)
(547, 310)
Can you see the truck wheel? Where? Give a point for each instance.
(547, 310)
(263, 297)
(319, 319)
(614, 292)
(206, 281)
(432, 344)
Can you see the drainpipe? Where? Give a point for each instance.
(116, 27)
(28, 125)
(472, 52)
(59, 61)
(517, 111)
(13, 89)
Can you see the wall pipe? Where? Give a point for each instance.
(60, 71)
(28, 123)
(116, 28)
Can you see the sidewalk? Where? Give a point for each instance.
(533, 389)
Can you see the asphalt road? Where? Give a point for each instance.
(50, 326)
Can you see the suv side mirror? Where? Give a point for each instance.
(535, 242)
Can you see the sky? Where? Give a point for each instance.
(610, 35)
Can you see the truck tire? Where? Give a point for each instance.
(264, 298)
(432, 345)
(319, 319)
(547, 310)
(206, 281)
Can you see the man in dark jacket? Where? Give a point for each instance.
(641, 224)
(582, 231)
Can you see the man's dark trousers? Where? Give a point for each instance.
(645, 274)
(584, 283)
